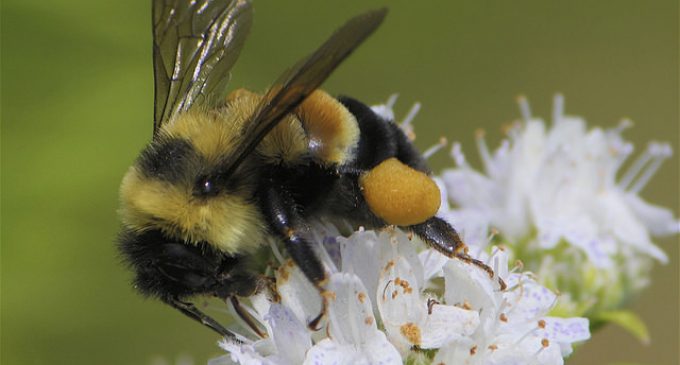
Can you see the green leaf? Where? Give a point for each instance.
(628, 320)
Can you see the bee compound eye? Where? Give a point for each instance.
(205, 186)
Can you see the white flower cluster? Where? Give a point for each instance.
(561, 181)
(389, 304)
(553, 194)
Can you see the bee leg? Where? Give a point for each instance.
(194, 313)
(246, 317)
(441, 236)
(287, 223)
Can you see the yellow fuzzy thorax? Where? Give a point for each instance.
(227, 222)
(215, 133)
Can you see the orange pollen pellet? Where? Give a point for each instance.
(394, 294)
(545, 342)
(361, 296)
(467, 305)
(493, 347)
(503, 317)
(368, 320)
(541, 324)
(473, 350)
(400, 194)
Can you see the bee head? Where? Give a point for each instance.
(174, 186)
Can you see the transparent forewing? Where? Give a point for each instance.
(195, 44)
(298, 82)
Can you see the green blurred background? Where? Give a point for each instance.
(77, 106)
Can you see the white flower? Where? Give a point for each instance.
(411, 318)
(353, 334)
(514, 328)
(560, 181)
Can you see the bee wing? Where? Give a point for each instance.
(195, 44)
(302, 79)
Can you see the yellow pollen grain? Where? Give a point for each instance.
(329, 295)
(405, 285)
(541, 324)
(506, 128)
(368, 321)
(503, 317)
(467, 305)
(493, 347)
(284, 274)
(545, 342)
(394, 294)
(411, 332)
(473, 350)
(361, 296)
(390, 264)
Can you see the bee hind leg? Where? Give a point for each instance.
(288, 224)
(441, 236)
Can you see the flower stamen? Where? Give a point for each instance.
(484, 152)
(558, 108)
(524, 108)
(458, 156)
(658, 152)
(435, 148)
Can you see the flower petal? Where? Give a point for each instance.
(468, 285)
(530, 350)
(360, 255)
(565, 331)
(446, 323)
(243, 354)
(297, 293)
(378, 351)
(658, 220)
(290, 336)
(350, 314)
(353, 334)
(617, 218)
(529, 300)
(433, 262)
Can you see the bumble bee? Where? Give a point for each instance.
(225, 173)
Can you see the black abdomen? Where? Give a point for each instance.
(380, 139)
